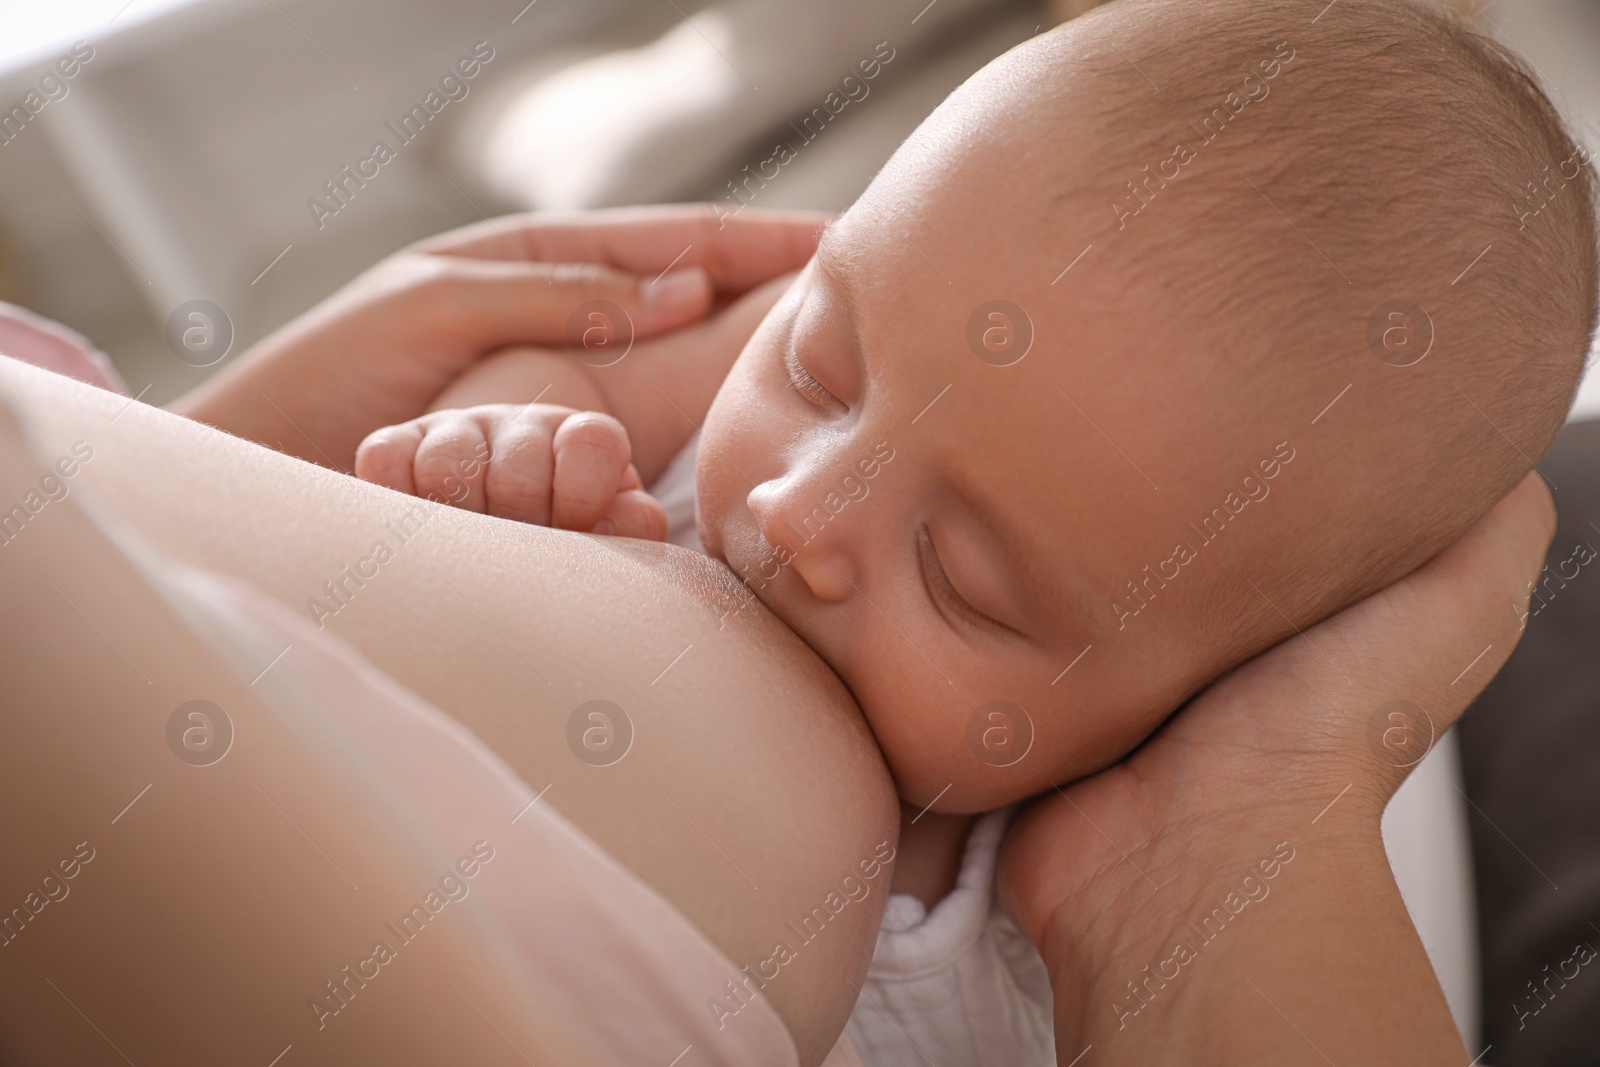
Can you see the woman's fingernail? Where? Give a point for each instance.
(675, 288)
(604, 527)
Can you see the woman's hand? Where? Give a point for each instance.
(1222, 895)
(378, 351)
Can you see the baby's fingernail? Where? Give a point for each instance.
(604, 527)
(675, 288)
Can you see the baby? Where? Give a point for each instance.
(1167, 335)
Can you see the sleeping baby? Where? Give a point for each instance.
(1170, 333)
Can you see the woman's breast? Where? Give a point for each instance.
(665, 713)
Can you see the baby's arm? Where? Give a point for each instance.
(547, 436)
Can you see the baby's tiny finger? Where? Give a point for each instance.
(635, 513)
(519, 479)
(385, 457)
(451, 461)
(591, 455)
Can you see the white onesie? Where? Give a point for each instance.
(958, 985)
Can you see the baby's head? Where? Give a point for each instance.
(1171, 331)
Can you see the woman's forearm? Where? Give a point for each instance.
(1300, 951)
(260, 399)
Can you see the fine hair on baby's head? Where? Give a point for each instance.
(1170, 333)
(1448, 198)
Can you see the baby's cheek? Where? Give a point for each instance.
(919, 730)
(978, 741)
(713, 500)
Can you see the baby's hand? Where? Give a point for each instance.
(537, 463)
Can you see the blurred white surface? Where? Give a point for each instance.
(36, 31)
(1425, 834)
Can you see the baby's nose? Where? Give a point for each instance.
(808, 530)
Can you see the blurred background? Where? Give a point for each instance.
(185, 159)
(182, 159)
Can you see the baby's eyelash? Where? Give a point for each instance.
(940, 587)
(803, 382)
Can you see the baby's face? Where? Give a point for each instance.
(946, 496)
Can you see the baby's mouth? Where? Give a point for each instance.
(736, 541)
(755, 564)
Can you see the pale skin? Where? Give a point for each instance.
(253, 493)
(470, 619)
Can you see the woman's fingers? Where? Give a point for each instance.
(1363, 695)
(738, 251)
(1503, 553)
(1476, 591)
(478, 305)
